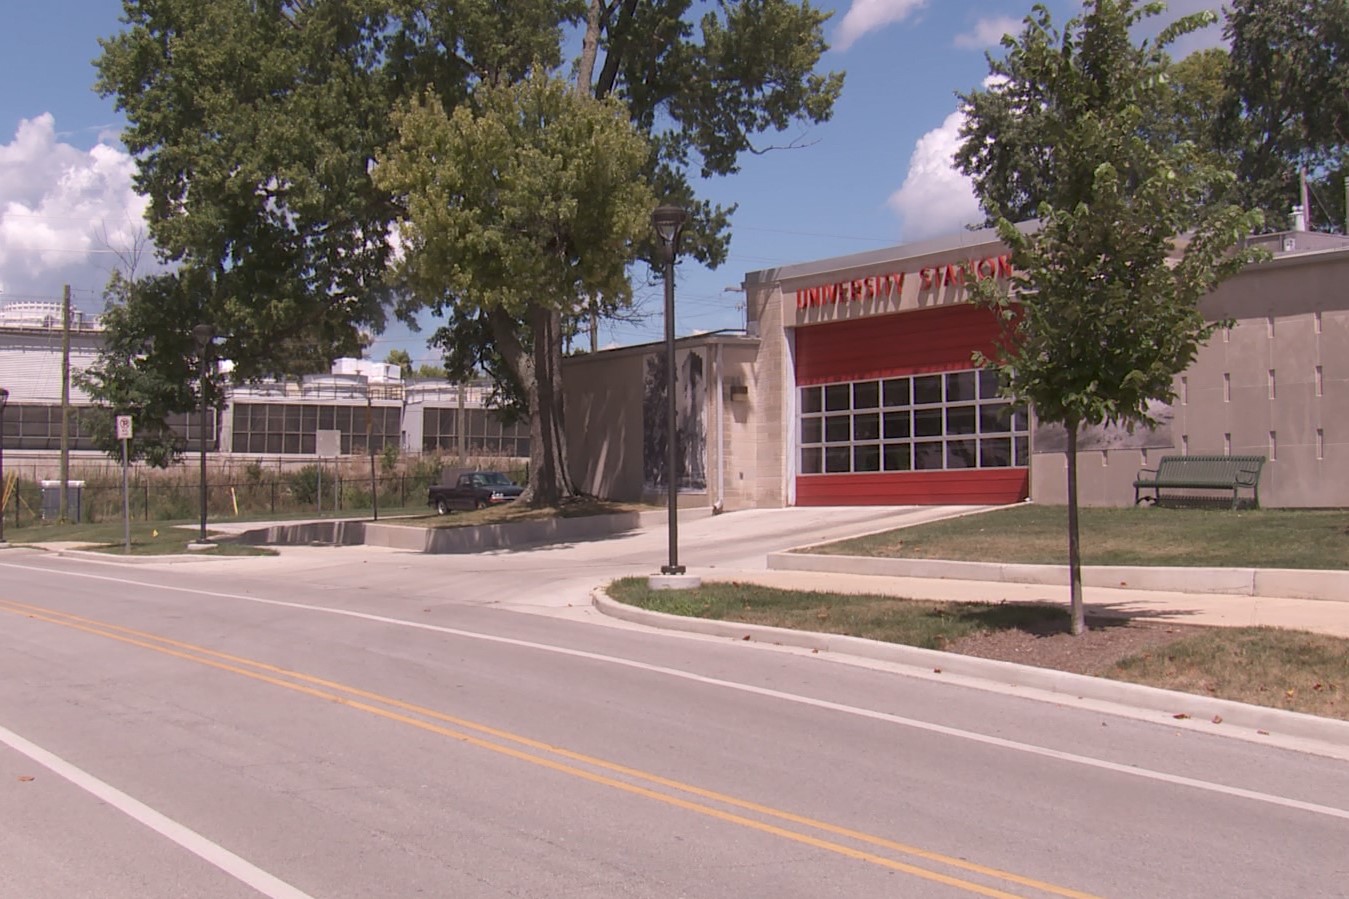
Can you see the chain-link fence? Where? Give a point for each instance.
(260, 493)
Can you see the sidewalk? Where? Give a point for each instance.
(1325, 616)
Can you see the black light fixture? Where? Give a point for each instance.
(4, 398)
(203, 335)
(669, 222)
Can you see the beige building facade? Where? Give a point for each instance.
(853, 384)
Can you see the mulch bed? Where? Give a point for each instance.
(1107, 641)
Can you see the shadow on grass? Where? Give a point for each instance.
(1048, 621)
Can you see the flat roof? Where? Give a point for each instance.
(917, 254)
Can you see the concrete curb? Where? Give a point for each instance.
(1331, 586)
(122, 559)
(1201, 710)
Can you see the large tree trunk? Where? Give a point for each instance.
(1079, 620)
(538, 369)
(590, 43)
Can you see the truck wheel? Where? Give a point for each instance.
(442, 507)
(480, 504)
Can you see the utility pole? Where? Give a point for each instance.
(1305, 199)
(459, 424)
(594, 325)
(65, 400)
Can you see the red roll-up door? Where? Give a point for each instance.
(924, 342)
(907, 343)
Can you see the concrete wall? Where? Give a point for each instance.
(1292, 319)
(605, 426)
(771, 396)
(733, 484)
(604, 422)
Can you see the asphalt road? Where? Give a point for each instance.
(366, 723)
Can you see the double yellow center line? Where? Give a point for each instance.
(769, 820)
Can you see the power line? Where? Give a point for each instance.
(884, 240)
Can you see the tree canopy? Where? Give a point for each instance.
(148, 366)
(1286, 108)
(518, 206)
(1102, 312)
(256, 126)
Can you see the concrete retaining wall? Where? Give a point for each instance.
(468, 539)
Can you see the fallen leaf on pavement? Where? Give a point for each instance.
(1180, 715)
(24, 778)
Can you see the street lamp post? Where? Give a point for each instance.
(202, 334)
(4, 398)
(669, 222)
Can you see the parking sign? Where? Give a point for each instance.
(124, 427)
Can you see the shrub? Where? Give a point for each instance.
(303, 484)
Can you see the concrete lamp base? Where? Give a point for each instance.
(196, 547)
(674, 581)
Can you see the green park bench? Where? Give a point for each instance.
(1201, 473)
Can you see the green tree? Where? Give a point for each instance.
(516, 209)
(703, 92)
(1287, 104)
(1102, 312)
(148, 378)
(402, 360)
(252, 124)
(431, 372)
(255, 126)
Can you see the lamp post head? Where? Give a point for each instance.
(668, 222)
(202, 334)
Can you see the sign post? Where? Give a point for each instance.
(124, 435)
(328, 445)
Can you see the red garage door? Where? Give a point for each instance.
(892, 412)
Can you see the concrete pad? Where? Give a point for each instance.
(674, 582)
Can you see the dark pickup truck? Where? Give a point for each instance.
(472, 490)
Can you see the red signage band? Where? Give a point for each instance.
(856, 291)
(881, 286)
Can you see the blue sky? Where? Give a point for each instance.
(876, 175)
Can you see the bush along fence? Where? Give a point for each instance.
(259, 492)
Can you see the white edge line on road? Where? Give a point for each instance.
(928, 726)
(189, 839)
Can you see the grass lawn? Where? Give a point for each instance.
(1262, 538)
(931, 625)
(1293, 670)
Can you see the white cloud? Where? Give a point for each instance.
(936, 199)
(869, 15)
(64, 212)
(987, 33)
